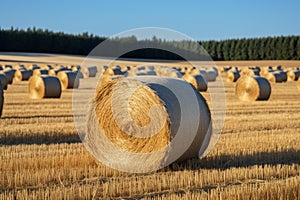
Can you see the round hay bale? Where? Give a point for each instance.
(68, 79)
(198, 81)
(265, 70)
(216, 70)
(245, 71)
(9, 73)
(252, 88)
(3, 81)
(38, 72)
(22, 75)
(273, 77)
(284, 76)
(143, 120)
(232, 76)
(293, 75)
(44, 87)
(211, 75)
(89, 71)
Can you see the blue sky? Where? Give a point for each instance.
(201, 20)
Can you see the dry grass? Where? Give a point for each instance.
(257, 156)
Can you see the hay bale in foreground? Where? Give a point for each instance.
(232, 76)
(89, 71)
(68, 79)
(1, 99)
(198, 81)
(22, 75)
(298, 83)
(3, 81)
(106, 140)
(252, 88)
(44, 87)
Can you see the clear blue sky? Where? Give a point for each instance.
(201, 20)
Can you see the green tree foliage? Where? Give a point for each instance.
(46, 41)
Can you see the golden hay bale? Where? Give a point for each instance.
(245, 71)
(252, 88)
(292, 75)
(38, 72)
(198, 81)
(3, 81)
(68, 79)
(273, 77)
(89, 71)
(265, 70)
(298, 83)
(44, 86)
(143, 119)
(22, 75)
(9, 73)
(232, 76)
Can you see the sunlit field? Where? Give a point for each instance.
(257, 155)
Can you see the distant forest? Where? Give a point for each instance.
(45, 41)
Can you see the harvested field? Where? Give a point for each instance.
(257, 155)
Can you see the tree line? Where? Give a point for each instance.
(45, 41)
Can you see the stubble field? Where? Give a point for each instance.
(256, 157)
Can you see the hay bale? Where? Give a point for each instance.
(245, 71)
(232, 76)
(211, 76)
(293, 75)
(1, 99)
(9, 73)
(273, 77)
(89, 71)
(252, 88)
(68, 79)
(298, 83)
(38, 72)
(22, 75)
(44, 87)
(148, 132)
(284, 76)
(3, 81)
(198, 81)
